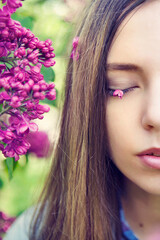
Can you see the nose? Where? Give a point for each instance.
(151, 110)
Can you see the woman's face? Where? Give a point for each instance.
(133, 122)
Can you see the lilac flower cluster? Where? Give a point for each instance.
(5, 223)
(22, 85)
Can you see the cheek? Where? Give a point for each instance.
(122, 123)
(117, 138)
(120, 135)
(116, 120)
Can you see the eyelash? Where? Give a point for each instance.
(126, 90)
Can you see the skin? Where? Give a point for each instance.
(133, 122)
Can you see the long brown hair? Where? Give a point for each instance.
(80, 198)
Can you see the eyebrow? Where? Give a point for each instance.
(123, 67)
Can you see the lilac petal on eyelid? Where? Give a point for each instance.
(118, 93)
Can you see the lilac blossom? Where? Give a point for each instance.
(39, 144)
(75, 52)
(5, 223)
(22, 85)
(118, 93)
(12, 5)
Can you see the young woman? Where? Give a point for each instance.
(105, 178)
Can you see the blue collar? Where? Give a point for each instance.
(127, 232)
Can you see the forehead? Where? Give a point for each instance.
(138, 37)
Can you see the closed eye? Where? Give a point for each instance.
(110, 91)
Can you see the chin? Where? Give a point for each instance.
(153, 190)
(143, 186)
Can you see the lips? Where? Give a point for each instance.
(150, 157)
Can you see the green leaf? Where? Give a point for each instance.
(48, 74)
(1, 183)
(1, 107)
(26, 22)
(27, 158)
(10, 164)
(15, 163)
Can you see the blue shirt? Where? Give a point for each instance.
(127, 232)
(20, 228)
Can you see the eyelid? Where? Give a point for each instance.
(123, 81)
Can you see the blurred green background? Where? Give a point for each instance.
(54, 19)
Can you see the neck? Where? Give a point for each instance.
(142, 211)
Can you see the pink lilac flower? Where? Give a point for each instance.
(5, 223)
(118, 93)
(75, 53)
(12, 5)
(22, 86)
(39, 144)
